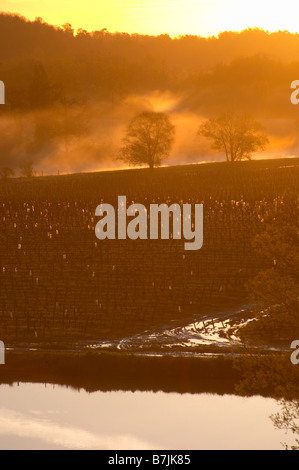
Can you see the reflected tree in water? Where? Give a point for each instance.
(288, 420)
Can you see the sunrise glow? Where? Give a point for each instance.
(173, 17)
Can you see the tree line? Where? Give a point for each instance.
(150, 135)
(63, 87)
(43, 65)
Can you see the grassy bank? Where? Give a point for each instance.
(109, 371)
(263, 374)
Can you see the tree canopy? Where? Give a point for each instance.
(148, 139)
(238, 136)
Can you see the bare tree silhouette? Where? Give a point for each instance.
(236, 136)
(148, 140)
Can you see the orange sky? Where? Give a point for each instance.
(202, 17)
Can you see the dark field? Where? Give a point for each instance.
(58, 283)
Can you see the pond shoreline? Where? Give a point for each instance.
(107, 371)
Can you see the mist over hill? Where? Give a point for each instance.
(70, 95)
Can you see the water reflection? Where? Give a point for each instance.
(41, 428)
(34, 416)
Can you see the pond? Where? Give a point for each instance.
(43, 416)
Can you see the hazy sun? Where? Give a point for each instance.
(271, 15)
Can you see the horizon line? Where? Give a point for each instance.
(176, 36)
